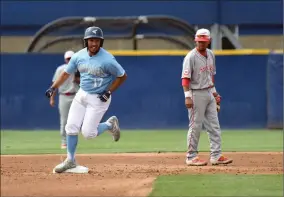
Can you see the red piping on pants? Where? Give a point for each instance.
(190, 137)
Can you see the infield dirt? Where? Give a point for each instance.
(117, 174)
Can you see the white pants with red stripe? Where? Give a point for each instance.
(204, 110)
(85, 114)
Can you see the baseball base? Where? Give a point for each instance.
(77, 170)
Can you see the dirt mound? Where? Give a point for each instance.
(116, 174)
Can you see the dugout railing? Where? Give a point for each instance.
(72, 28)
(132, 28)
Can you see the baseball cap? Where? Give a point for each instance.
(68, 54)
(202, 35)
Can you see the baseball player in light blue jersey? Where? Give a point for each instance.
(100, 76)
(66, 93)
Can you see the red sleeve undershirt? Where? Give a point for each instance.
(185, 82)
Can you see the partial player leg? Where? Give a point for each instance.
(214, 139)
(64, 106)
(75, 118)
(114, 127)
(196, 117)
(212, 126)
(96, 109)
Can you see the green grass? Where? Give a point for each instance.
(39, 142)
(218, 185)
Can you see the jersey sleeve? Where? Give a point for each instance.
(187, 66)
(56, 74)
(72, 65)
(114, 68)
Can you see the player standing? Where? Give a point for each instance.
(201, 100)
(67, 93)
(101, 75)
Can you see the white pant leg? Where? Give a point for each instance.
(76, 114)
(94, 114)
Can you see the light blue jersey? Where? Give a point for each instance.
(97, 72)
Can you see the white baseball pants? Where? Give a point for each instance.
(85, 114)
(64, 105)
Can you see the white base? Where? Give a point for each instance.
(77, 170)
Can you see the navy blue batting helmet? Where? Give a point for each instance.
(94, 32)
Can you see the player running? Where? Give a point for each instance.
(201, 99)
(101, 75)
(67, 93)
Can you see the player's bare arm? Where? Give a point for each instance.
(52, 99)
(62, 78)
(117, 82)
(216, 95)
(186, 77)
(213, 89)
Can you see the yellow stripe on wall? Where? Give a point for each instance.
(278, 51)
(184, 52)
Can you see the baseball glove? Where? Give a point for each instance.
(218, 101)
(218, 107)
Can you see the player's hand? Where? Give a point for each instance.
(188, 102)
(49, 92)
(217, 97)
(52, 102)
(104, 96)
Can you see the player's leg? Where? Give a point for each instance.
(75, 119)
(214, 139)
(96, 109)
(63, 121)
(113, 127)
(213, 129)
(196, 117)
(64, 106)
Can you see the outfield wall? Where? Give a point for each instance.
(220, 11)
(252, 18)
(250, 83)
